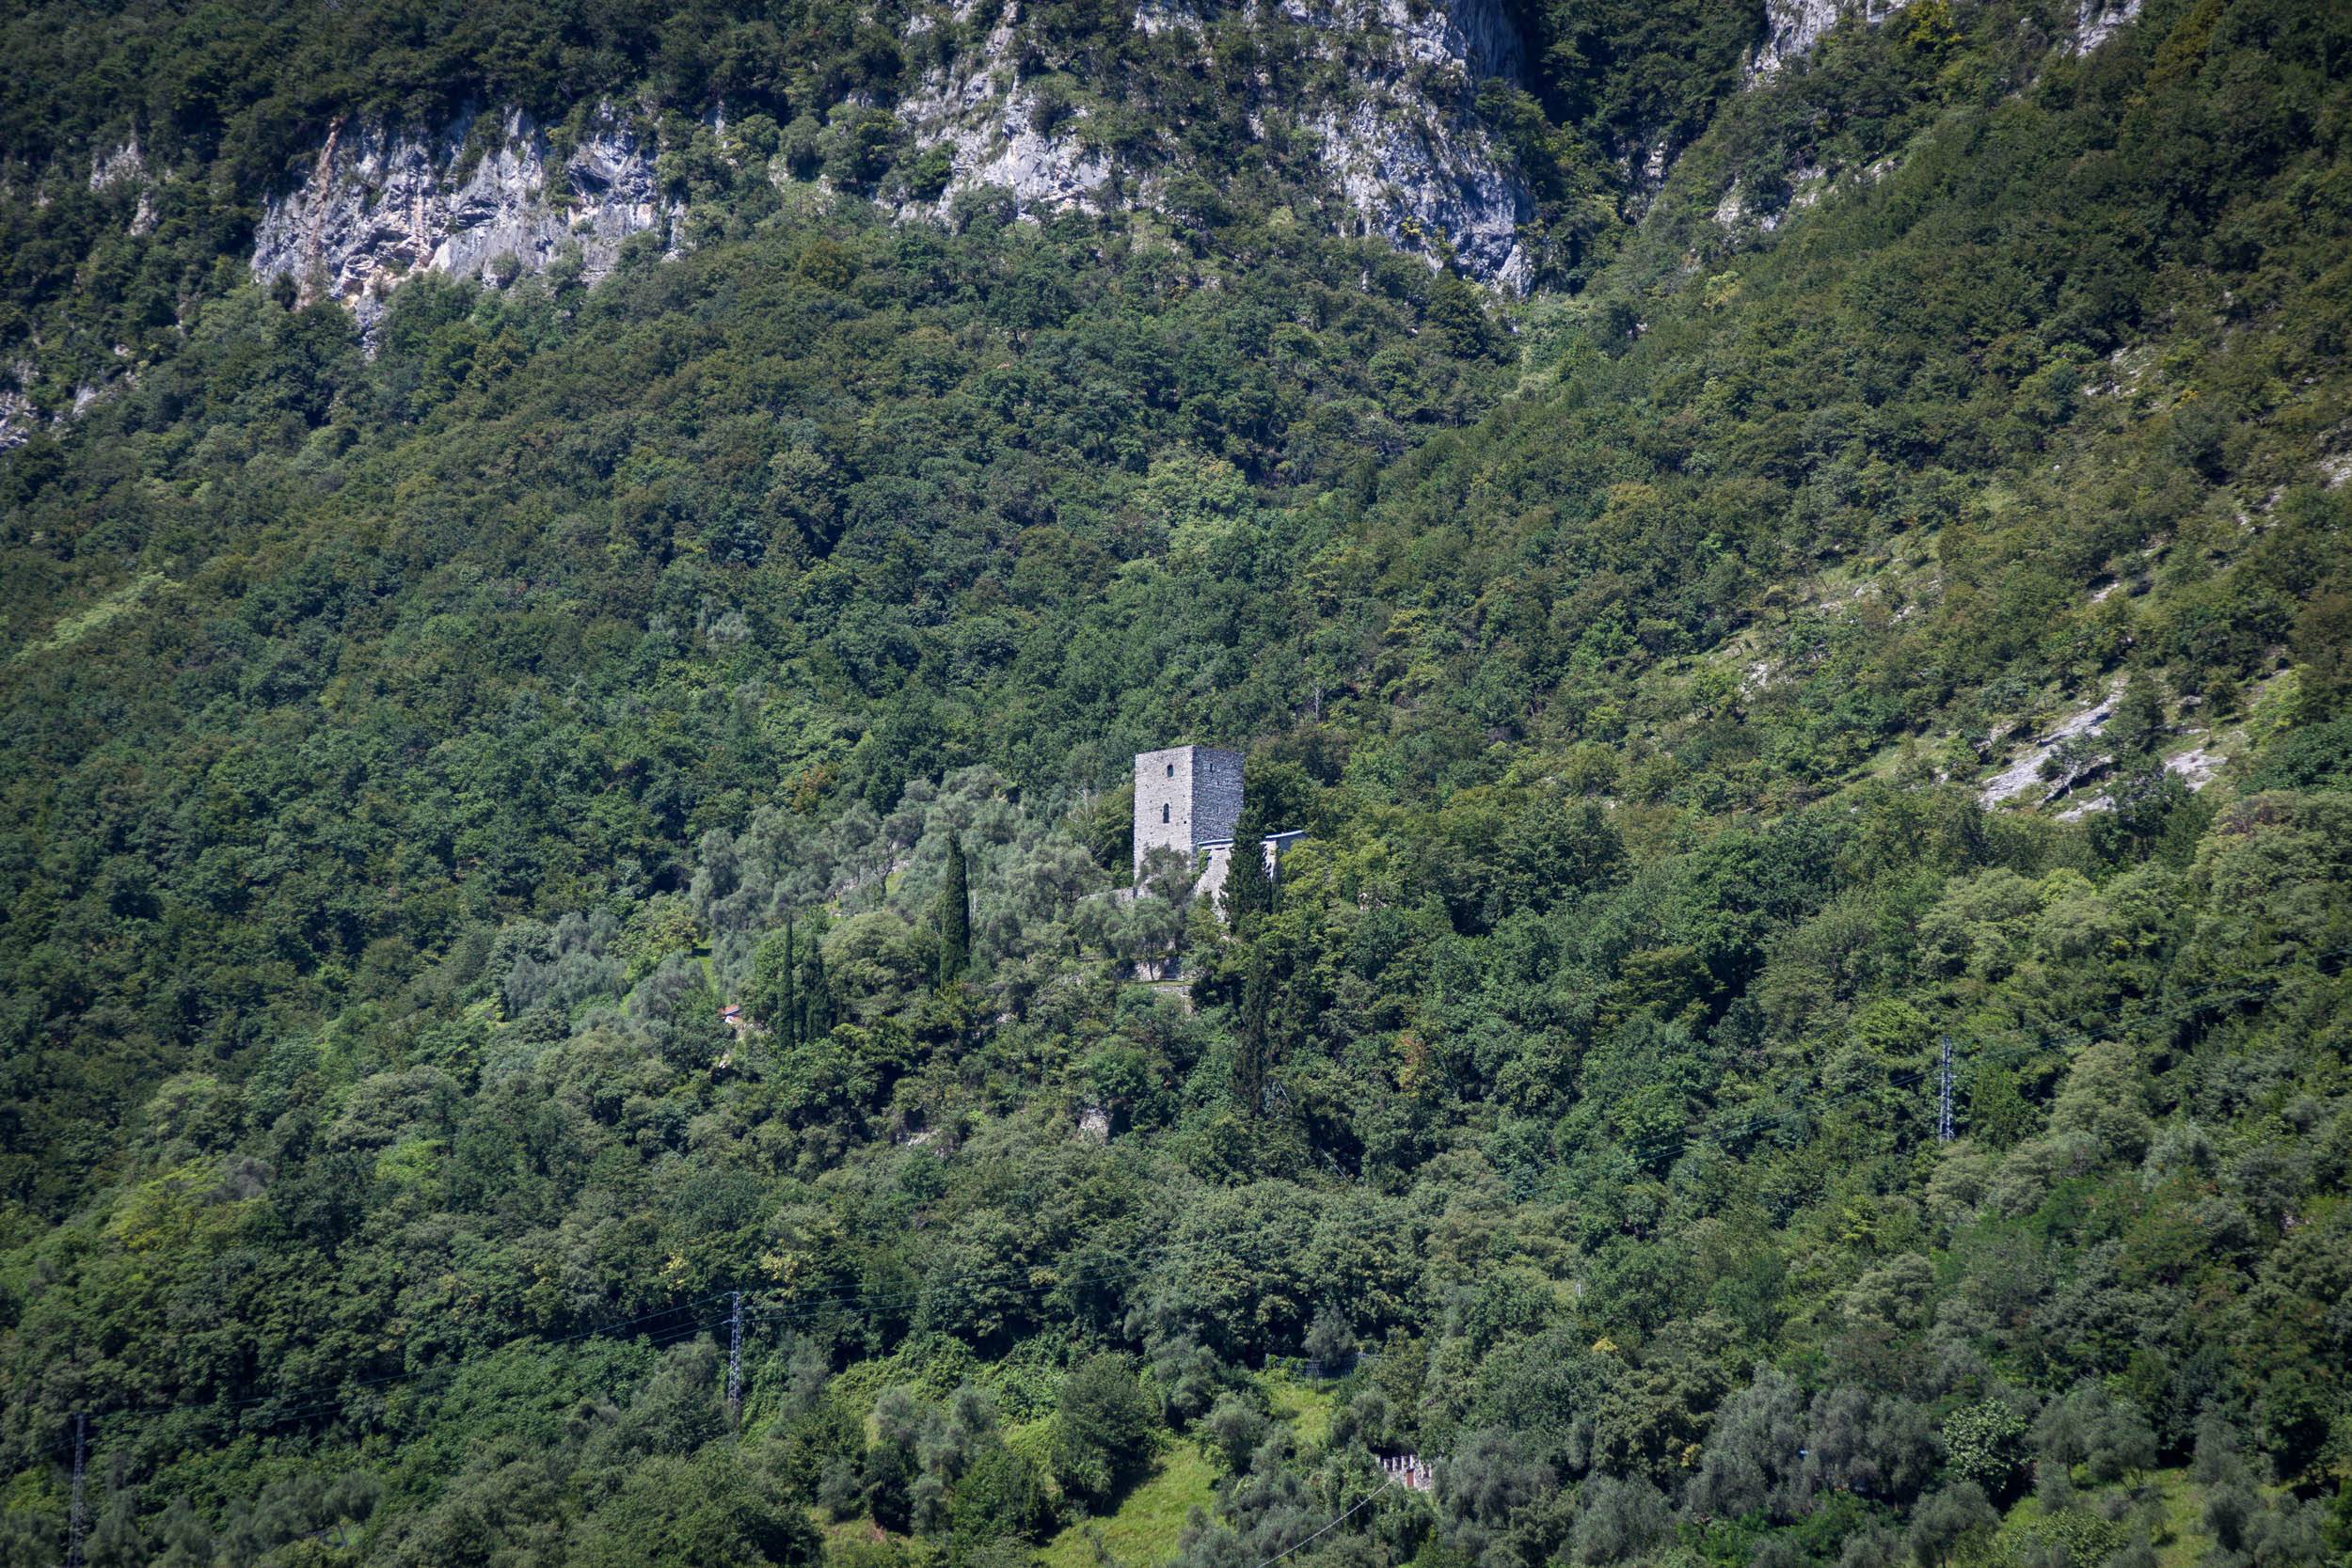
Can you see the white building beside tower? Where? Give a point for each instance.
(1188, 799)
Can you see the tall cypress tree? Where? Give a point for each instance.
(955, 915)
(815, 992)
(776, 975)
(1249, 890)
(1253, 1053)
(792, 1002)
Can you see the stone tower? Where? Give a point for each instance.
(1186, 797)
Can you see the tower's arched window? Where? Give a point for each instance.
(1172, 769)
(1163, 812)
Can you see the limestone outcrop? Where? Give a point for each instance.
(1792, 27)
(2098, 21)
(380, 206)
(1395, 136)
(19, 419)
(1402, 154)
(1405, 152)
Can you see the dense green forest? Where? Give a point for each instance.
(414, 741)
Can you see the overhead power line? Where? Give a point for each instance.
(1363, 1503)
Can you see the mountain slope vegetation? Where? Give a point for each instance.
(1879, 603)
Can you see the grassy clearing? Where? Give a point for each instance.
(1307, 1406)
(1149, 1520)
(2183, 1540)
(1144, 1531)
(838, 1533)
(94, 617)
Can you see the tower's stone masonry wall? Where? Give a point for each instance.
(1163, 802)
(1216, 794)
(1186, 795)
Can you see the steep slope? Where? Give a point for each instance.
(1742, 1127)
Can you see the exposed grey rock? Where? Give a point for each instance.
(2023, 774)
(2196, 766)
(2098, 21)
(988, 123)
(1404, 150)
(121, 166)
(1792, 27)
(1443, 197)
(1154, 17)
(1808, 184)
(1406, 156)
(379, 206)
(1474, 37)
(117, 165)
(19, 419)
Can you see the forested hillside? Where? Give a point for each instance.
(1810, 1025)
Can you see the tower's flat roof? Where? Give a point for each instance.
(1285, 836)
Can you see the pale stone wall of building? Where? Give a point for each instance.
(1163, 802)
(1186, 797)
(1216, 859)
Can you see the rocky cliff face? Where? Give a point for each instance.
(127, 165)
(2097, 21)
(1792, 27)
(19, 419)
(990, 127)
(1398, 142)
(1402, 154)
(379, 207)
(1405, 152)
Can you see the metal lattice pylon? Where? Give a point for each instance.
(76, 1520)
(1943, 1096)
(735, 1359)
